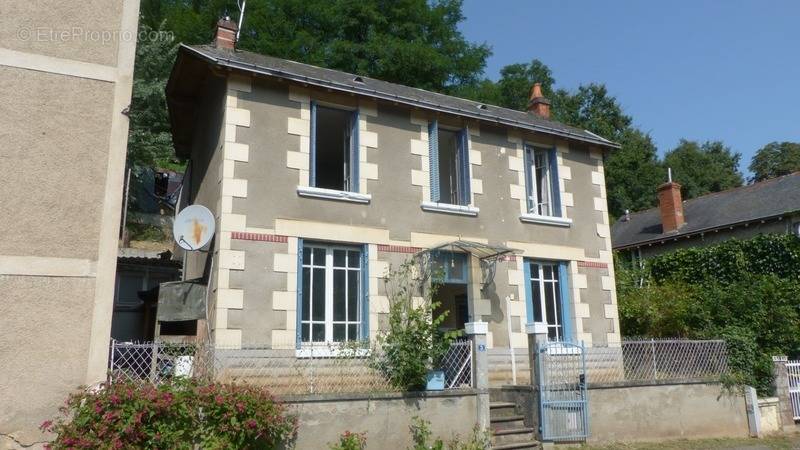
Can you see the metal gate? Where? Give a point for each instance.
(563, 404)
(793, 368)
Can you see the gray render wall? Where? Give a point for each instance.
(264, 216)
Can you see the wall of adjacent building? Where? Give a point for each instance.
(64, 88)
(266, 157)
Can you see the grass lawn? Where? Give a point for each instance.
(791, 442)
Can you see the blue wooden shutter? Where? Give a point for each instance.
(463, 151)
(299, 338)
(355, 163)
(365, 293)
(528, 294)
(433, 157)
(566, 305)
(553, 160)
(527, 155)
(312, 148)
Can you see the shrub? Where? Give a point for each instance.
(422, 437)
(350, 441)
(412, 343)
(181, 414)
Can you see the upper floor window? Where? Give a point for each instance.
(541, 172)
(548, 299)
(332, 295)
(334, 148)
(449, 165)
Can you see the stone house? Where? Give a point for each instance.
(771, 206)
(321, 180)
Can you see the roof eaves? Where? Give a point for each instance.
(254, 68)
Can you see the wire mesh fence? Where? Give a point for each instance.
(657, 360)
(284, 371)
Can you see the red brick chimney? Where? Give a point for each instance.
(537, 104)
(671, 205)
(226, 34)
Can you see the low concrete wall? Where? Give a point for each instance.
(770, 415)
(386, 418)
(625, 412)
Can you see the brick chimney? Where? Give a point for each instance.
(226, 34)
(537, 104)
(671, 205)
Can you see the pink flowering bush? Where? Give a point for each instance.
(350, 441)
(177, 415)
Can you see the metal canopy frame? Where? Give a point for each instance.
(488, 255)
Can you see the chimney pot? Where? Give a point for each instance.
(670, 204)
(538, 104)
(225, 37)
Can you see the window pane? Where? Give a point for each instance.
(352, 296)
(306, 255)
(339, 284)
(319, 332)
(332, 147)
(306, 293)
(552, 333)
(548, 272)
(318, 295)
(352, 332)
(319, 257)
(305, 329)
(338, 258)
(550, 311)
(537, 301)
(353, 259)
(339, 332)
(449, 191)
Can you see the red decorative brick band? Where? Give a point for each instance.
(397, 249)
(259, 237)
(597, 265)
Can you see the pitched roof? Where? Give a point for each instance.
(767, 199)
(342, 81)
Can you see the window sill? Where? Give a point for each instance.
(546, 220)
(333, 194)
(330, 351)
(450, 209)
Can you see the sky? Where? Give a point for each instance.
(724, 70)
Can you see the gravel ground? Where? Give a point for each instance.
(771, 443)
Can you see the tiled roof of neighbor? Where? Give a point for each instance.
(749, 203)
(342, 81)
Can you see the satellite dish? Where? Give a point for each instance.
(193, 227)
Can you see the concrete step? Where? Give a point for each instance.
(502, 409)
(513, 435)
(529, 445)
(508, 422)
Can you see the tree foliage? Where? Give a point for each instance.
(746, 292)
(775, 159)
(704, 168)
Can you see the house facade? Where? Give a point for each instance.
(767, 207)
(321, 181)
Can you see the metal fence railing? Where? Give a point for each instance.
(656, 360)
(793, 372)
(282, 370)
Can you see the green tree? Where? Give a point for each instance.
(633, 173)
(149, 139)
(704, 168)
(775, 159)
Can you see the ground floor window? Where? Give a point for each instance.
(332, 293)
(548, 300)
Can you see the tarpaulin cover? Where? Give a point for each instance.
(181, 300)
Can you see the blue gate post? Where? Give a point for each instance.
(537, 336)
(480, 369)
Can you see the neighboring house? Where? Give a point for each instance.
(771, 206)
(321, 180)
(66, 72)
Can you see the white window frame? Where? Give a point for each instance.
(535, 203)
(554, 283)
(328, 317)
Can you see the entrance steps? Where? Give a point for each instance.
(508, 428)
